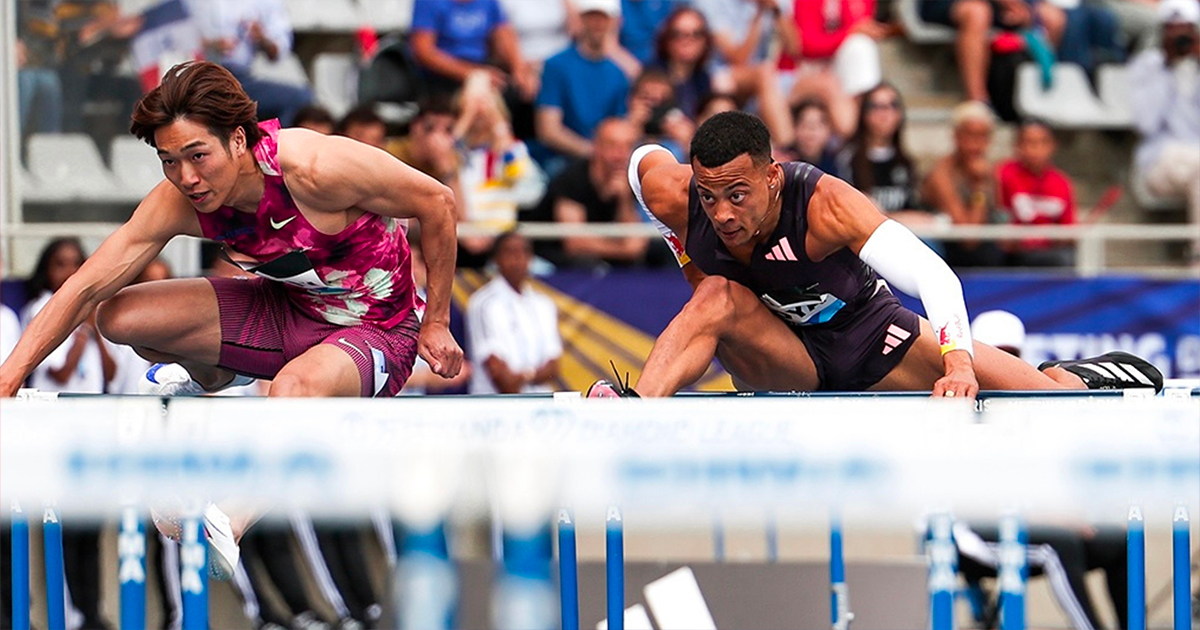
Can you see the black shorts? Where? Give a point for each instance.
(856, 350)
(939, 12)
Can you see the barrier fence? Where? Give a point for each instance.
(667, 463)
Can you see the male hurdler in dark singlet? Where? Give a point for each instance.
(792, 272)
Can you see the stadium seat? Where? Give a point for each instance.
(69, 166)
(335, 81)
(387, 15)
(336, 16)
(920, 31)
(287, 69)
(135, 166)
(1068, 103)
(1114, 86)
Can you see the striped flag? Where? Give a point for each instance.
(168, 36)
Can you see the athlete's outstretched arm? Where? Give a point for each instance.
(341, 173)
(164, 213)
(841, 216)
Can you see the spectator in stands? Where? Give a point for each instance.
(10, 330)
(1090, 36)
(974, 20)
(1137, 21)
(82, 364)
(746, 29)
(1064, 554)
(429, 145)
(1033, 192)
(496, 176)
(452, 38)
(581, 85)
(39, 89)
(640, 23)
(815, 142)
(542, 28)
(597, 190)
(234, 31)
(364, 125)
(684, 48)
(512, 329)
(875, 162)
(94, 39)
(316, 118)
(962, 185)
(838, 57)
(1166, 109)
(653, 111)
(714, 104)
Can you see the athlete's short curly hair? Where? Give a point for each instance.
(727, 135)
(202, 92)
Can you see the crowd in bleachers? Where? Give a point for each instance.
(528, 109)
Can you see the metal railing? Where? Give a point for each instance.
(1090, 240)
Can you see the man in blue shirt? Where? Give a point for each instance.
(640, 21)
(453, 38)
(581, 86)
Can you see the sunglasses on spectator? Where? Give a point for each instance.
(884, 105)
(696, 34)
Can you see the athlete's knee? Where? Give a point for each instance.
(118, 318)
(295, 385)
(713, 298)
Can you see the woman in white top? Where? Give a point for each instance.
(83, 363)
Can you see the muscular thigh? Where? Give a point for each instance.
(761, 352)
(178, 317)
(994, 369)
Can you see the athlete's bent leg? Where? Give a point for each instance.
(724, 319)
(172, 321)
(922, 366)
(322, 371)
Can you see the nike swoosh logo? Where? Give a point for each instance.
(279, 225)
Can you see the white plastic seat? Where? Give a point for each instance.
(1069, 102)
(1114, 93)
(330, 16)
(69, 166)
(135, 166)
(919, 31)
(387, 15)
(287, 69)
(335, 81)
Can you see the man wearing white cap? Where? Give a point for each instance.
(1166, 109)
(581, 85)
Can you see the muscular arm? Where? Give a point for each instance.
(334, 174)
(163, 214)
(840, 216)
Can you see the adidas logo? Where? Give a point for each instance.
(896, 336)
(781, 252)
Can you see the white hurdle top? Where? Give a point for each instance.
(671, 461)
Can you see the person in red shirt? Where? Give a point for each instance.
(1032, 191)
(839, 56)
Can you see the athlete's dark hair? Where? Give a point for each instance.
(729, 134)
(202, 92)
(39, 280)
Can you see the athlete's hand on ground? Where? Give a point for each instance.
(437, 346)
(957, 383)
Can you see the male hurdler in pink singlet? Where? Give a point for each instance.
(331, 312)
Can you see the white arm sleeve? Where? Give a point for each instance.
(635, 183)
(909, 265)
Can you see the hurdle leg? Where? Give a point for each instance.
(839, 594)
(1012, 573)
(56, 597)
(1136, 544)
(1182, 576)
(193, 559)
(131, 568)
(20, 569)
(614, 564)
(568, 570)
(942, 580)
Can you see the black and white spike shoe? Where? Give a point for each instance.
(1112, 370)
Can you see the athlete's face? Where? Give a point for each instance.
(196, 161)
(737, 197)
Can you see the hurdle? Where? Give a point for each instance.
(56, 579)
(131, 570)
(1013, 572)
(20, 568)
